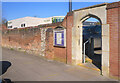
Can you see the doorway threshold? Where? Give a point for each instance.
(89, 65)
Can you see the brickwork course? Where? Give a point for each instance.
(39, 39)
(113, 18)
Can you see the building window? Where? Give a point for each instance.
(53, 20)
(9, 26)
(59, 20)
(56, 20)
(22, 25)
(47, 20)
(15, 27)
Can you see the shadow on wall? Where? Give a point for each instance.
(4, 65)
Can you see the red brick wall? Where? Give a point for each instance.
(55, 53)
(69, 37)
(64, 22)
(119, 41)
(25, 39)
(112, 19)
(49, 44)
(29, 39)
(65, 54)
(4, 27)
(59, 52)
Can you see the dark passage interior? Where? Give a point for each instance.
(92, 41)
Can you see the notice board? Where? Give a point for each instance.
(59, 38)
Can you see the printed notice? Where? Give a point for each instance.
(59, 38)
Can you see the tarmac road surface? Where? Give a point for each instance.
(27, 67)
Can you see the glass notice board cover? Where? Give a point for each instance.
(60, 38)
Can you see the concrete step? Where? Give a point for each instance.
(93, 63)
(95, 58)
(89, 66)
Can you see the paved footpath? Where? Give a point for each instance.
(27, 67)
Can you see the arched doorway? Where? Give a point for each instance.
(98, 12)
(92, 41)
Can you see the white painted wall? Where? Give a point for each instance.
(30, 21)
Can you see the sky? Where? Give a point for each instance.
(14, 10)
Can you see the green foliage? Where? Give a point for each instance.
(98, 23)
(39, 25)
(4, 21)
(19, 48)
(86, 61)
(25, 52)
(26, 29)
(11, 48)
(20, 29)
(8, 31)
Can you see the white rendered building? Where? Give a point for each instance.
(33, 21)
